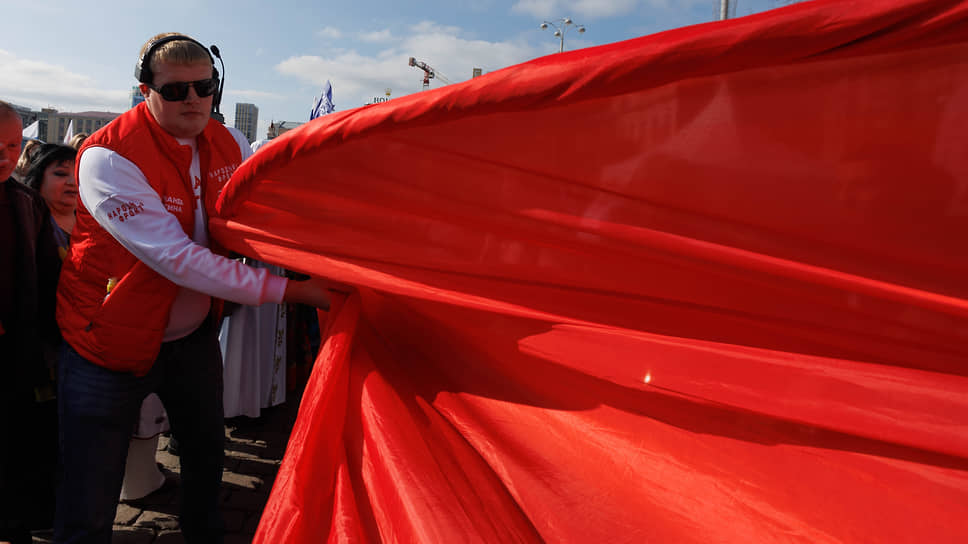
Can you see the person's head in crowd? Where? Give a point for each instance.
(78, 139)
(11, 134)
(180, 90)
(28, 153)
(52, 175)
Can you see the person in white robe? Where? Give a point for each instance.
(253, 340)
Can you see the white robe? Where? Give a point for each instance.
(253, 341)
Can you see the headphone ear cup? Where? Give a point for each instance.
(142, 73)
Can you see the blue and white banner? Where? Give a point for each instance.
(323, 104)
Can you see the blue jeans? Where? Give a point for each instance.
(98, 409)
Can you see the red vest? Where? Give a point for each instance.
(121, 326)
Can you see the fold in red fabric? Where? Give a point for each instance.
(703, 286)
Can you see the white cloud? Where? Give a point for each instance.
(354, 76)
(376, 36)
(430, 27)
(39, 84)
(357, 78)
(330, 32)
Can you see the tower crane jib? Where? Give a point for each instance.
(429, 72)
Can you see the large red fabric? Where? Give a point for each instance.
(703, 286)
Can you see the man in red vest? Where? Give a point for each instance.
(135, 299)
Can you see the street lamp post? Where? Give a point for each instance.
(561, 26)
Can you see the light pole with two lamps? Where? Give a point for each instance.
(561, 26)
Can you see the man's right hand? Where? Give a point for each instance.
(312, 292)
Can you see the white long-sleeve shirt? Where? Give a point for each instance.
(107, 181)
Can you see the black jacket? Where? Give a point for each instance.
(28, 417)
(34, 337)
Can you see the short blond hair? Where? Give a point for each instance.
(184, 51)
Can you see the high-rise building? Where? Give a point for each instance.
(247, 120)
(136, 96)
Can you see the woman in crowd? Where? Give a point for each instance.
(23, 164)
(78, 140)
(51, 174)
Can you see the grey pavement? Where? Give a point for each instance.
(253, 452)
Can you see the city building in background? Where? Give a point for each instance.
(247, 120)
(53, 123)
(136, 97)
(275, 129)
(27, 116)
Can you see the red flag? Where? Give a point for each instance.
(702, 286)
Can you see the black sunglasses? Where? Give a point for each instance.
(178, 91)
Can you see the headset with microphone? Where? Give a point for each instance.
(143, 73)
(221, 86)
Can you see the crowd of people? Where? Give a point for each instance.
(111, 298)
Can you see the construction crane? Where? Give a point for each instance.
(429, 72)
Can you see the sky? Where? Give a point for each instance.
(80, 56)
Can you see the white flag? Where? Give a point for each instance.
(70, 133)
(32, 131)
